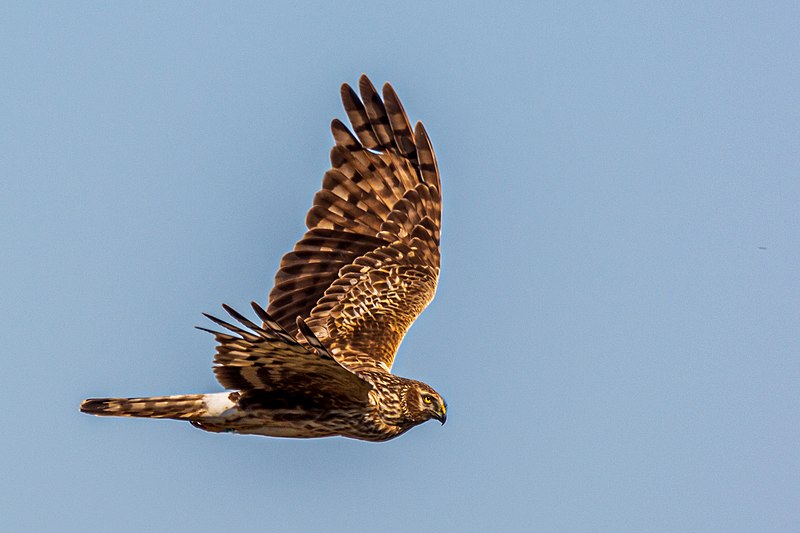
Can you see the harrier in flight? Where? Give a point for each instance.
(319, 363)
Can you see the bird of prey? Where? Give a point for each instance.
(319, 363)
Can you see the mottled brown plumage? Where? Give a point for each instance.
(319, 362)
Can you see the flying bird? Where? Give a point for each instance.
(319, 362)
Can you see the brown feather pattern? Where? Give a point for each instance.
(268, 359)
(319, 362)
(382, 201)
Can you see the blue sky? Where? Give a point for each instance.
(616, 326)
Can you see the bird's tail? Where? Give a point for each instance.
(180, 407)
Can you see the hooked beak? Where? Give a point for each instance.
(442, 416)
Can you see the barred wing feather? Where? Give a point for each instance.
(369, 263)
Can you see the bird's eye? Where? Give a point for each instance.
(427, 399)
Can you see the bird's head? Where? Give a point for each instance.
(423, 403)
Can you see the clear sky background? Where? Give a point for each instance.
(617, 324)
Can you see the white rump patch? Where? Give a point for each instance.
(218, 403)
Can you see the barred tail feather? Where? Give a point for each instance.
(180, 407)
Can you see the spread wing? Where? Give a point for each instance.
(369, 262)
(266, 359)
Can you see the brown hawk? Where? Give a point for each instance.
(319, 364)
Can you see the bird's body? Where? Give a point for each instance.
(380, 417)
(319, 364)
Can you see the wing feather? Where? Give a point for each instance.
(370, 261)
(358, 118)
(378, 118)
(401, 127)
(266, 358)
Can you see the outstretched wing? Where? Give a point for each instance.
(369, 263)
(267, 359)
